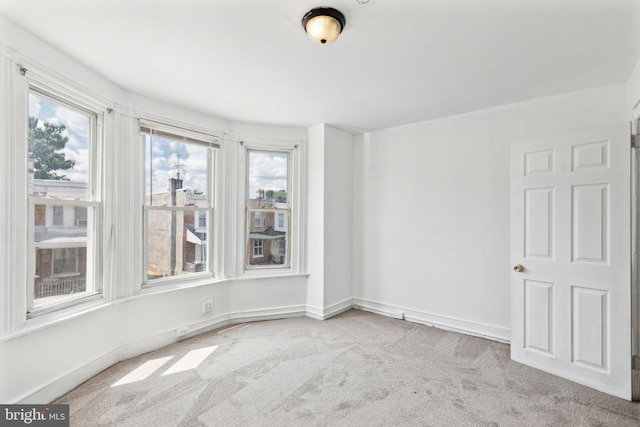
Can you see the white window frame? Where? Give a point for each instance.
(280, 219)
(257, 220)
(183, 133)
(295, 262)
(75, 100)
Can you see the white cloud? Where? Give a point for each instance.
(74, 122)
(34, 106)
(73, 142)
(192, 164)
(267, 171)
(160, 163)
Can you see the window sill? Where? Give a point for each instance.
(179, 282)
(269, 274)
(176, 285)
(45, 319)
(61, 303)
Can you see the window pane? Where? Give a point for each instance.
(61, 255)
(80, 216)
(202, 220)
(58, 215)
(267, 244)
(175, 173)
(59, 158)
(267, 177)
(175, 246)
(60, 271)
(65, 260)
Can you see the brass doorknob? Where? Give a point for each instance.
(518, 268)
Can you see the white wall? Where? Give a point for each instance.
(431, 220)
(632, 89)
(330, 197)
(338, 200)
(315, 233)
(43, 358)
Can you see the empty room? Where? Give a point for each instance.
(291, 213)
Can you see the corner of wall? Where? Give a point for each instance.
(632, 90)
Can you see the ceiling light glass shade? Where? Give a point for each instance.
(323, 24)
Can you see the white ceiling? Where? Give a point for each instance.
(396, 62)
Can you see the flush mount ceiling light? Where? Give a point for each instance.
(323, 24)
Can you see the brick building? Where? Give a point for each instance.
(60, 236)
(267, 230)
(177, 240)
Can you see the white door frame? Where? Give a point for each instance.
(635, 258)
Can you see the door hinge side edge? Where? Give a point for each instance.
(635, 362)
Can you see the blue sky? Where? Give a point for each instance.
(78, 130)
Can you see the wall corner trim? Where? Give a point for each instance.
(329, 311)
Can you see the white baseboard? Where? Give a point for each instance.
(330, 310)
(67, 381)
(315, 312)
(483, 330)
(245, 317)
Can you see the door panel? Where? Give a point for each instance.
(538, 223)
(571, 229)
(590, 327)
(590, 206)
(538, 316)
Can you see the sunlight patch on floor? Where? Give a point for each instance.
(190, 360)
(143, 371)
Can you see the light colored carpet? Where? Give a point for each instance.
(356, 369)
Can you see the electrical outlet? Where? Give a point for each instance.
(207, 306)
(182, 332)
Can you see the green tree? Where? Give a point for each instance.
(280, 196)
(46, 145)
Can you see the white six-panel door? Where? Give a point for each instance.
(571, 233)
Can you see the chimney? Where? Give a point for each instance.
(174, 184)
